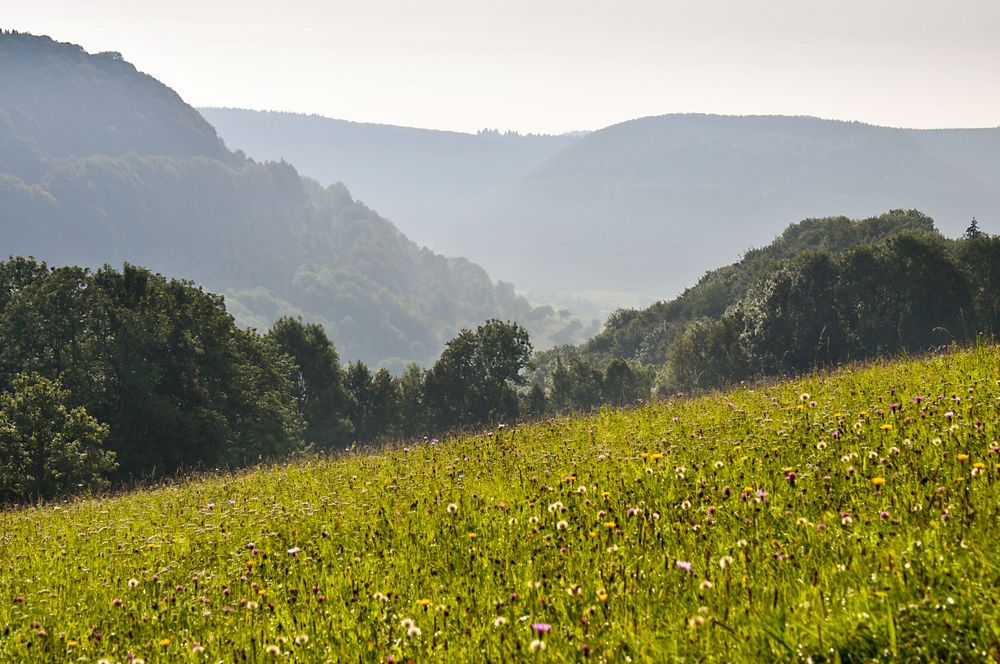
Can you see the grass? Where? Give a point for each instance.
(849, 517)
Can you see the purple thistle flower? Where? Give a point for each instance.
(541, 628)
(684, 566)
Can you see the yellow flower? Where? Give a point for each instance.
(962, 457)
(655, 456)
(423, 602)
(249, 563)
(72, 644)
(472, 536)
(878, 481)
(886, 427)
(610, 524)
(644, 455)
(164, 643)
(979, 465)
(261, 592)
(593, 534)
(602, 596)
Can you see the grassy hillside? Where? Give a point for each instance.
(842, 518)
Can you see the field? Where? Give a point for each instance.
(848, 517)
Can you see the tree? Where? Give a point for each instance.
(973, 232)
(474, 379)
(48, 449)
(320, 392)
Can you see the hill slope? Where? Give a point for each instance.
(422, 179)
(636, 211)
(103, 164)
(840, 518)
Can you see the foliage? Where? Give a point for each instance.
(474, 379)
(47, 448)
(837, 518)
(322, 397)
(158, 361)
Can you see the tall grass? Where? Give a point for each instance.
(849, 517)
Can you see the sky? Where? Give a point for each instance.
(550, 66)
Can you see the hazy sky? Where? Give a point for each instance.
(554, 65)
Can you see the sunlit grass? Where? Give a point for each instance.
(849, 517)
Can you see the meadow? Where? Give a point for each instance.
(846, 517)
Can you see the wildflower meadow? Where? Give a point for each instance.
(845, 517)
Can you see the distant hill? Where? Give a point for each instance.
(636, 211)
(422, 179)
(100, 163)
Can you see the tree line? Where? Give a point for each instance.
(112, 376)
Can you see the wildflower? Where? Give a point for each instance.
(541, 628)
(686, 505)
(684, 566)
(804, 396)
(133, 583)
(472, 536)
(761, 495)
(406, 623)
(536, 645)
(878, 481)
(117, 601)
(197, 647)
(802, 521)
(533, 520)
(609, 524)
(380, 597)
(292, 551)
(500, 621)
(164, 643)
(413, 632)
(886, 427)
(273, 651)
(962, 458)
(719, 465)
(423, 602)
(452, 508)
(301, 639)
(883, 515)
(602, 596)
(562, 525)
(821, 446)
(706, 585)
(556, 507)
(696, 622)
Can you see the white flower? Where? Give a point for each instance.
(536, 645)
(452, 508)
(562, 525)
(500, 621)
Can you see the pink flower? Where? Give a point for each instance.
(292, 551)
(684, 566)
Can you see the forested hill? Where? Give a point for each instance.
(644, 207)
(422, 179)
(647, 205)
(102, 164)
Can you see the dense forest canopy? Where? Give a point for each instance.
(102, 164)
